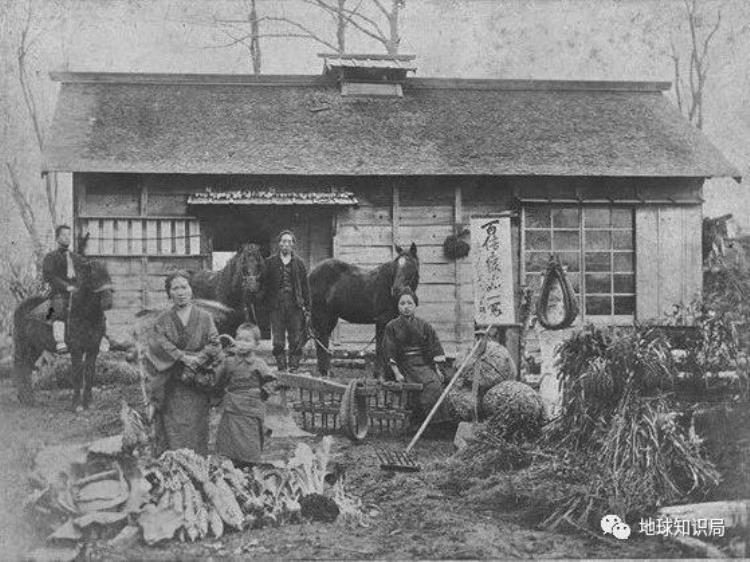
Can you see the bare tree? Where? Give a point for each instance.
(690, 78)
(24, 191)
(390, 37)
(346, 14)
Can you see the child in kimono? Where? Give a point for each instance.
(241, 430)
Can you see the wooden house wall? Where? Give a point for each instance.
(391, 211)
(669, 268)
(424, 211)
(141, 226)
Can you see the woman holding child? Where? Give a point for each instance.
(183, 347)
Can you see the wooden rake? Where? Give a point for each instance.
(406, 461)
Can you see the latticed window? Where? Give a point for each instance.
(596, 247)
(136, 236)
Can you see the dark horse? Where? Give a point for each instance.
(235, 286)
(86, 326)
(342, 290)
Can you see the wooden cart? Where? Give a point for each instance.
(382, 406)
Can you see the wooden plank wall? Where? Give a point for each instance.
(425, 215)
(668, 258)
(133, 216)
(140, 227)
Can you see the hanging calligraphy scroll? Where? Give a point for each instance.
(493, 271)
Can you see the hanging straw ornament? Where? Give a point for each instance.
(454, 247)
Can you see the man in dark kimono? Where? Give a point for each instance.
(59, 271)
(287, 293)
(413, 351)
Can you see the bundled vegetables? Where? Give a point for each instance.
(195, 495)
(180, 494)
(199, 497)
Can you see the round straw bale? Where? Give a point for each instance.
(494, 366)
(513, 409)
(459, 405)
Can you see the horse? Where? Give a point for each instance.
(86, 326)
(342, 290)
(235, 286)
(713, 237)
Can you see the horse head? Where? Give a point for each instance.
(250, 265)
(715, 233)
(406, 270)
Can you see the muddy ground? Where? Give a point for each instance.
(414, 518)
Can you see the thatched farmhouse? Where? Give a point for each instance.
(170, 170)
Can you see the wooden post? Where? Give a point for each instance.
(457, 218)
(395, 220)
(308, 237)
(79, 207)
(143, 211)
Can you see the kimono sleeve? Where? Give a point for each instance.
(162, 352)
(432, 344)
(390, 342)
(265, 373)
(221, 381)
(212, 348)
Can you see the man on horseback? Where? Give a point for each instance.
(59, 270)
(287, 293)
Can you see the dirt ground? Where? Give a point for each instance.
(411, 519)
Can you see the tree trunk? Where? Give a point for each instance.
(27, 214)
(394, 39)
(341, 21)
(255, 39)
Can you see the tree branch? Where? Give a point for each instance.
(710, 35)
(693, 59)
(307, 31)
(244, 40)
(378, 32)
(378, 35)
(677, 89)
(31, 107)
(382, 8)
(25, 88)
(372, 22)
(26, 211)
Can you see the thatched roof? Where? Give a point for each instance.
(302, 125)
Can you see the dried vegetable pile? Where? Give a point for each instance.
(112, 485)
(622, 443)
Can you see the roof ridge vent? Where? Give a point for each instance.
(368, 75)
